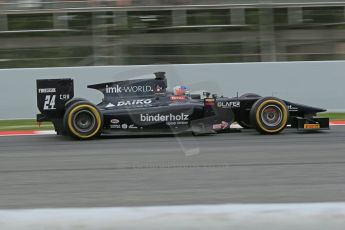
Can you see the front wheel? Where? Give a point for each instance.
(83, 120)
(269, 115)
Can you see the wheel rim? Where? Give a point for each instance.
(271, 115)
(84, 121)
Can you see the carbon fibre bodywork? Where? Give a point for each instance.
(146, 106)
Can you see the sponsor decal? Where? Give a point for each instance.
(229, 104)
(222, 125)
(114, 121)
(109, 105)
(177, 98)
(292, 108)
(128, 89)
(134, 102)
(47, 90)
(311, 126)
(49, 102)
(64, 97)
(170, 119)
(115, 124)
(225, 124)
(217, 126)
(132, 127)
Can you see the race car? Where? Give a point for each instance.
(146, 106)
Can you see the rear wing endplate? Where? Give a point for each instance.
(52, 94)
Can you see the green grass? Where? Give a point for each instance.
(333, 116)
(27, 124)
(31, 124)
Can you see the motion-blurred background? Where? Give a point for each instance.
(51, 33)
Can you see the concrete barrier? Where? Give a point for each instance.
(330, 216)
(314, 83)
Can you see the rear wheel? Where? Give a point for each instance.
(73, 100)
(245, 122)
(83, 120)
(269, 115)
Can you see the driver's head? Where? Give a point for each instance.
(181, 90)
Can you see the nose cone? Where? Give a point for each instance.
(306, 108)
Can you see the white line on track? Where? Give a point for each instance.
(314, 216)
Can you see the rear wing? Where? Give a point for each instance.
(52, 94)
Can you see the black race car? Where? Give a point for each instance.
(146, 106)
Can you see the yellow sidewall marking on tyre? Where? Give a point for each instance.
(94, 111)
(284, 111)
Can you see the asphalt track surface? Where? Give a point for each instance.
(51, 171)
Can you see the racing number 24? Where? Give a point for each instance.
(49, 102)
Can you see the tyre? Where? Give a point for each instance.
(83, 120)
(245, 123)
(269, 115)
(249, 95)
(73, 100)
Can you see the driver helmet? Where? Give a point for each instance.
(181, 90)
